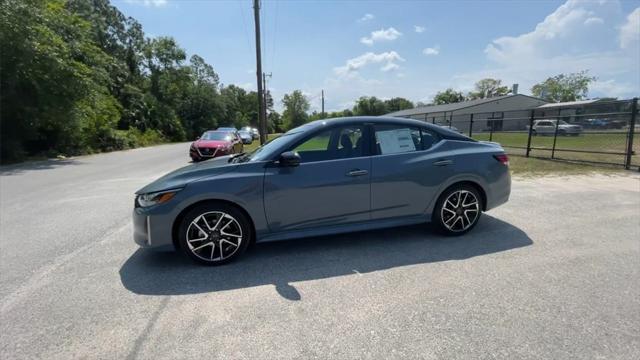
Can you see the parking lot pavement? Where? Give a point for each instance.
(552, 274)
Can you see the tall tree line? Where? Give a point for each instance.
(77, 76)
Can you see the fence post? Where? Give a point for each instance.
(450, 120)
(530, 132)
(471, 125)
(555, 134)
(632, 128)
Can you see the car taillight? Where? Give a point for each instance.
(503, 158)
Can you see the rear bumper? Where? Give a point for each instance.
(499, 190)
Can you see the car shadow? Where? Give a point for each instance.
(282, 263)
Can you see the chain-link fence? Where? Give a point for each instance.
(602, 132)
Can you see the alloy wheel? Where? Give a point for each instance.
(214, 236)
(460, 210)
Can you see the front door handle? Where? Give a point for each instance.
(357, 172)
(443, 162)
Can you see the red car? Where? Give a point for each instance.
(215, 143)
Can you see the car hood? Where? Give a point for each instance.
(211, 143)
(181, 177)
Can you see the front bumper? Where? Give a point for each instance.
(197, 153)
(151, 230)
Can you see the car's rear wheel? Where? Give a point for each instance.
(458, 210)
(214, 234)
(534, 133)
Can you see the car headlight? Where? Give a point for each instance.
(146, 200)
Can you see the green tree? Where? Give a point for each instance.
(202, 108)
(274, 122)
(54, 80)
(487, 88)
(564, 87)
(448, 96)
(296, 106)
(397, 104)
(370, 106)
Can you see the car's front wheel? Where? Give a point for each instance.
(458, 210)
(214, 234)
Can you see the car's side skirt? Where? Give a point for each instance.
(339, 229)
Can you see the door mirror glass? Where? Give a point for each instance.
(289, 158)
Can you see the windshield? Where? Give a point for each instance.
(264, 152)
(244, 132)
(216, 135)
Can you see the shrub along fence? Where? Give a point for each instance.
(602, 132)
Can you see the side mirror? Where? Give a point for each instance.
(289, 159)
(197, 137)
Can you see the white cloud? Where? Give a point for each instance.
(419, 29)
(154, 3)
(389, 59)
(594, 21)
(567, 41)
(630, 30)
(430, 51)
(390, 67)
(366, 17)
(389, 34)
(612, 88)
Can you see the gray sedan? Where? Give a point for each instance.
(325, 177)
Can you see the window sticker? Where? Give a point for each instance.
(395, 141)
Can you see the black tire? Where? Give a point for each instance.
(438, 211)
(221, 244)
(534, 133)
(562, 133)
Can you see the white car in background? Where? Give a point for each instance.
(548, 127)
(254, 132)
(246, 136)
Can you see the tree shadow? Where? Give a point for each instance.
(16, 169)
(282, 263)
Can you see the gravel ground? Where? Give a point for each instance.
(552, 274)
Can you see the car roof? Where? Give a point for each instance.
(387, 120)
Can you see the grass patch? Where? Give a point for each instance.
(523, 166)
(614, 141)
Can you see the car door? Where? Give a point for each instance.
(407, 169)
(329, 187)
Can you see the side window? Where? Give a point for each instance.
(338, 143)
(394, 139)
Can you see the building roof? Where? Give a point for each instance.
(452, 107)
(568, 103)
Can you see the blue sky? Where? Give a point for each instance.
(404, 48)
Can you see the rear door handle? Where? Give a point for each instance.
(357, 172)
(443, 162)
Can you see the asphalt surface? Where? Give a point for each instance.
(553, 274)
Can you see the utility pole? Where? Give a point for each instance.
(322, 104)
(264, 98)
(261, 119)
